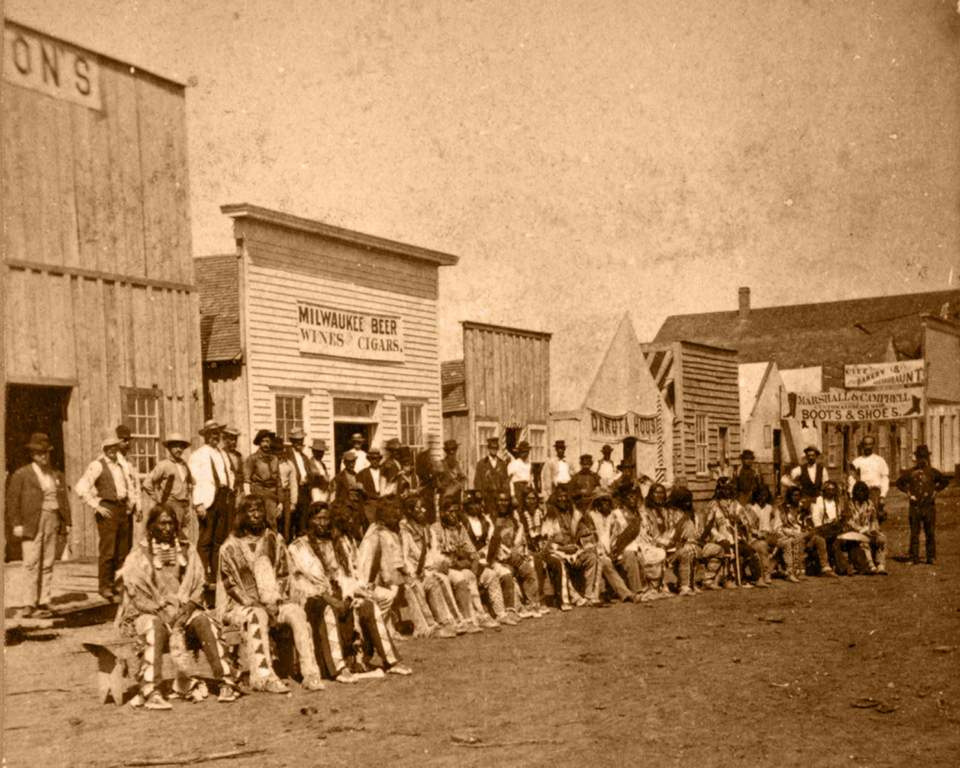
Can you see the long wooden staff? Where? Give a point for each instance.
(736, 549)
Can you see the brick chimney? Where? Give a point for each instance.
(744, 299)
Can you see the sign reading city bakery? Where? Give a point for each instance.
(46, 65)
(851, 405)
(347, 333)
(630, 424)
(907, 373)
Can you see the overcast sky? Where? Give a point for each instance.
(581, 158)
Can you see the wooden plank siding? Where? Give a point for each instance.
(80, 248)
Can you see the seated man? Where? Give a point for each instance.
(791, 516)
(769, 524)
(252, 594)
(337, 605)
(688, 540)
(382, 563)
(598, 530)
(861, 535)
(485, 538)
(824, 520)
(643, 555)
(163, 581)
(727, 527)
(562, 554)
(428, 565)
(463, 567)
(514, 553)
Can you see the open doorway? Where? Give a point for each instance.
(777, 459)
(32, 409)
(343, 431)
(629, 452)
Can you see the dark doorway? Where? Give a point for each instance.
(342, 431)
(629, 452)
(777, 460)
(32, 409)
(511, 436)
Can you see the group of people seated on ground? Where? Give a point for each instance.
(366, 572)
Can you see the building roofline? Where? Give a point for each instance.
(93, 52)
(650, 347)
(470, 324)
(331, 232)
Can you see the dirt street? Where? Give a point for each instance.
(751, 678)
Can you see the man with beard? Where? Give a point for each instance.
(562, 555)
(252, 594)
(261, 473)
(810, 476)
(163, 581)
(337, 605)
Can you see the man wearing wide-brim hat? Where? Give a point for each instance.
(39, 511)
(606, 470)
(809, 476)
(922, 483)
(104, 487)
(452, 480)
(171, 483)
(261, 473)
(320, 488)
(746, 478)
(356, 445)
(211, 496)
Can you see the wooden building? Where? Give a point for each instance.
(501, 388)
(699, 385)
(99, 309)
(617, 404)
(310, 326)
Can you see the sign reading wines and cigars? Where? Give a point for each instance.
(852, 405)
(347, 333)
(643, 428)
(906, 373)
(49, 66)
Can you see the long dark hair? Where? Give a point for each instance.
(243, 512)
(649, 502)
(155, 513)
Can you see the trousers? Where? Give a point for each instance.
(39, 554)
(925, 517)
(113, 544)
(255, 623)
(213, 531)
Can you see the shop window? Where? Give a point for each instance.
(143, 413)
(701, 428)
(485, 430)
(834, 445)
(538, 444)
(289, 415)
(411, 425)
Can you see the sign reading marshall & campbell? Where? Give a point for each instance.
(852, 405)
(905, 373)
(347, 333)
(629, 424)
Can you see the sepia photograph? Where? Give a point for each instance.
(480, 383)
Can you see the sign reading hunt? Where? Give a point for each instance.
(906, 373)
(347, 333)
(629, 424)
(46, 65)
(851, 405)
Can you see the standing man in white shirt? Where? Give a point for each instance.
(519, 471)
(104, 488)
(356, 445)
(211, 491)
(872, 469)
(606, 469)
(556, 471)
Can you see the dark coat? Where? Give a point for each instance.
(25, 500)
(491, 481)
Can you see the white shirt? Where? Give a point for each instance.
(823, 511)
(563, 471)
(362, 461)
(811, 472)
(518, 471)
(86, 487)
(873, 470)
(375, 474)
(204, 462)
(301, 466)
(132, 484)
(607, 472)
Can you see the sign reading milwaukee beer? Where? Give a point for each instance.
(903, 374)
(851, 405)
(630, 424)
(347, 333)
(46, 65)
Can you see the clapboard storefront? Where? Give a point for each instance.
(310, 326)
(99, 310)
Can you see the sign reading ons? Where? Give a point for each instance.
(46, 65)
(629, 424)
(903, 374)
(850, 405)
(347, 333)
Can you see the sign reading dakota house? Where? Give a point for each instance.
(629, 424)
(906, 373)
(347, 333)
(851, 405)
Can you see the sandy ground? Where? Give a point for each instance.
(699, 682)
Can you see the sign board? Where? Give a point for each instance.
(603, 426)
(853, 405)
(43, 64)
(906, 373)
(335, 332)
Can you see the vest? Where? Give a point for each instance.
(106, 488)
(810, 487)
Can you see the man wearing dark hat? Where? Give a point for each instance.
(922, 483)
(39, 512)
(606, 471)
(390, 466)
(105, 489)
(584, 483)
(811, 475)
(452, 480)
(211, 496)
(520, 471)
(746, 478)
(262, 475)
(301, 481)
(233, 461)
(373, 482)
(490, 477)
(360, 455)
(171, 483)
(556, 471)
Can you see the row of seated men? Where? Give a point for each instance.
(345, 589)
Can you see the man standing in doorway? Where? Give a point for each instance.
(38, 508)
(872, 469)
(105, 489)
(556, 471)
(261, 472)
(356, 445)
(922, 483)
(606, 470)
(490, 478)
